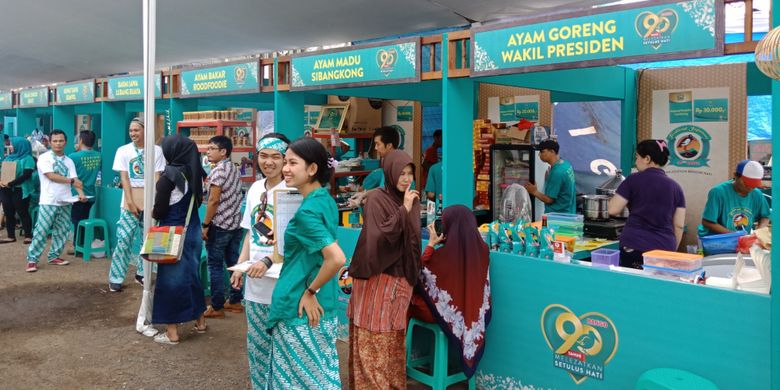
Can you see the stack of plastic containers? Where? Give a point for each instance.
(672, 264)
(563, 224)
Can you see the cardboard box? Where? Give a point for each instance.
(361, 117)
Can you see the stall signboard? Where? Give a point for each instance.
(36, 97)
(228, 79)
(132, 87)
(76, 93)
(404, 114)
(373, 64)
(6, 100)
(620, 34)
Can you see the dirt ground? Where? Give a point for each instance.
(61, 328)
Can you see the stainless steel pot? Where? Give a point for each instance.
(609, 187)
(596, 207)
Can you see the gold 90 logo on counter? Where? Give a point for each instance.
(582, 345)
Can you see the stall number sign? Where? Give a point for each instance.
(384, 64)
(82, 92)
(227, 79)
(582, 345)
(38, 97)
(6, 100)
(132, 87)
(632, 35)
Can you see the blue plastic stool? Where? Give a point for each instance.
(439, 378)
(672, 379)
(82, 243)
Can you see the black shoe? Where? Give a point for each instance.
(114, 287)
(139, 279)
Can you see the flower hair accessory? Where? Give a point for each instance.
(661, 144)
(332, 163)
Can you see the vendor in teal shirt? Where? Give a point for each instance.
(560, 193)
(434, 183)
(736, 204)
(386, 139)
(302, 318)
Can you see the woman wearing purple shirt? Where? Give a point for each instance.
(656, 204)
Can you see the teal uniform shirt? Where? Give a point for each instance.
(311, 229)
(560, 186)
(726, 207)
(87, 164)
(375, 179)
(434, 182)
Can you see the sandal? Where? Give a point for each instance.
(7, 240)
(162, 338)
(200, 330)
(27, 241)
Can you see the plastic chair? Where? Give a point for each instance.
(82, 243)
(439, 378)
(672, 379)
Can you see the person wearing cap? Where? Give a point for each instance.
(559, 194)
(129, 163)
(736, 204)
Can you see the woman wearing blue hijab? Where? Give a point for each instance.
(15, 195)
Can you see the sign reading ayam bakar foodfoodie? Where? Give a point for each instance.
(612, 35)
(132, 87)
(389, 62)
(75, 93)
(220, 80)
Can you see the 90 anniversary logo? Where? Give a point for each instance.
(656, 28)
(582, 345)
(386, 60)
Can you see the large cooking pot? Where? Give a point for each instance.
(596, 207)
(609, 187)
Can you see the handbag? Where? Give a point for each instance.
(164, 244)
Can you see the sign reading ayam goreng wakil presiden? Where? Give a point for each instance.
(607, 36)
(390, 62)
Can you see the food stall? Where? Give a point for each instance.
(563, 325)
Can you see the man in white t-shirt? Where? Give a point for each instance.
(129, 163)
(57, 175)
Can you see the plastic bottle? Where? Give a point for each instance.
(546, 239)
(518, 238)
(531, 241)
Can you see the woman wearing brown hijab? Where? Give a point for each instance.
(384, 269)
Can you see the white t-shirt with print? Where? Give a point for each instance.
(53, 193)
(259, 290)
(131, 161)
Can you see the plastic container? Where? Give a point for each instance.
(671, 273)
(564, 217)
(672, 260)
(720, 243)
(605, 257)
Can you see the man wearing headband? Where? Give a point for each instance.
(221, 228)
(129, 163)
(736, 204)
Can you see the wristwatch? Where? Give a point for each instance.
(267, 261)
(205, 225)
(312, 292)
(72, 180)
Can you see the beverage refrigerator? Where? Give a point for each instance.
(510, 164)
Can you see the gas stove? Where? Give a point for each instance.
(609, 229)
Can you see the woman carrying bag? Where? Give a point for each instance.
(178, 295)
(16, 194)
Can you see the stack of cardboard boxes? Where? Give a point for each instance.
(484, 136)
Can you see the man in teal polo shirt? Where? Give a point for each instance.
(88, 163)
(736, 204)
(386, 139)
(560, 194)
(434, 182)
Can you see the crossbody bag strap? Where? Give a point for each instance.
(192, 201)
